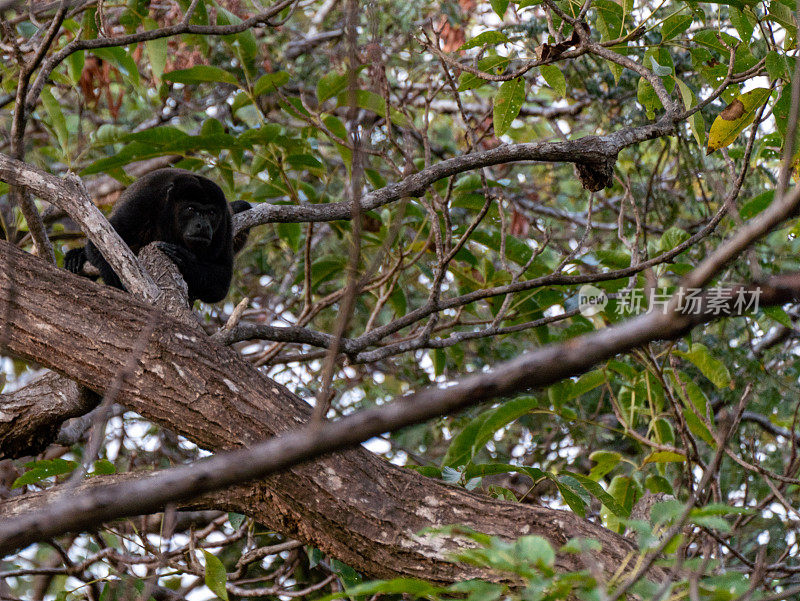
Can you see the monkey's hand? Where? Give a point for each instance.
(179, 255)
(75, 259)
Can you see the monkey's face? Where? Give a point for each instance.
(197, 224)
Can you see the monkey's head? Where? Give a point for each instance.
(201, 214)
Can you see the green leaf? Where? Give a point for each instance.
(326, 268)
(375, 103)
(782, 110)
(779, 315)
(740, 4)
(236, 519)
(480, 470)
(291, 234)
(664, 457)
(555, 79)
(665, 511)
(243, 44)
(46, 468)
(672, 238)
(696, 121)
(648, 98)
(398, 301)
(75, 62)
(610, 19)
(600, 494)
(698, 125)
(499, 6)
(625, 491)
(713, 522)
(744, 21)
(304, 161)
(660, 70)
(739, 114)
(721, 509)
(516, 249)
(338, 129)
(428, 471)
(674, 26)
(330, 85)
(439, 361)
(507, 104)
(477, 590)
(347, 575)
(397, 586)
(200, 74)
(573, 500)
(57, 120)
(579, 545)
(216, 577)
(270, 81)
(755, 205)
(782, 14)
(120, 58)
(481, 429)
(695, 405)
(606, 461)
(260, 135)
(103, 467)
(588, 381)
(656, 483)
(777, 66)
(487, 37)
(713, 369)
(536, 550)
(156, 50)
(710, 39)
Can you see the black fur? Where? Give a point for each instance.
(240, 239)
(189, 217)
(75, 259)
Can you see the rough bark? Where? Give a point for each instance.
(30, 417)
(352, 505)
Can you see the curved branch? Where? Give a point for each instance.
(591, 150)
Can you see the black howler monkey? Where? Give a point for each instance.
(188, 216)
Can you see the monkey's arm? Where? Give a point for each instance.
(207, 280)
(75, 259)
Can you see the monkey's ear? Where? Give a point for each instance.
(168, 191)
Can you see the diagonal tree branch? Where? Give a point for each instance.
(353, 505)
(69, 195)
(534, 370)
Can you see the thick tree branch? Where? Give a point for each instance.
(353, 506)
(540, 368)
(141, 495)
(68, 194)
(31, 416)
